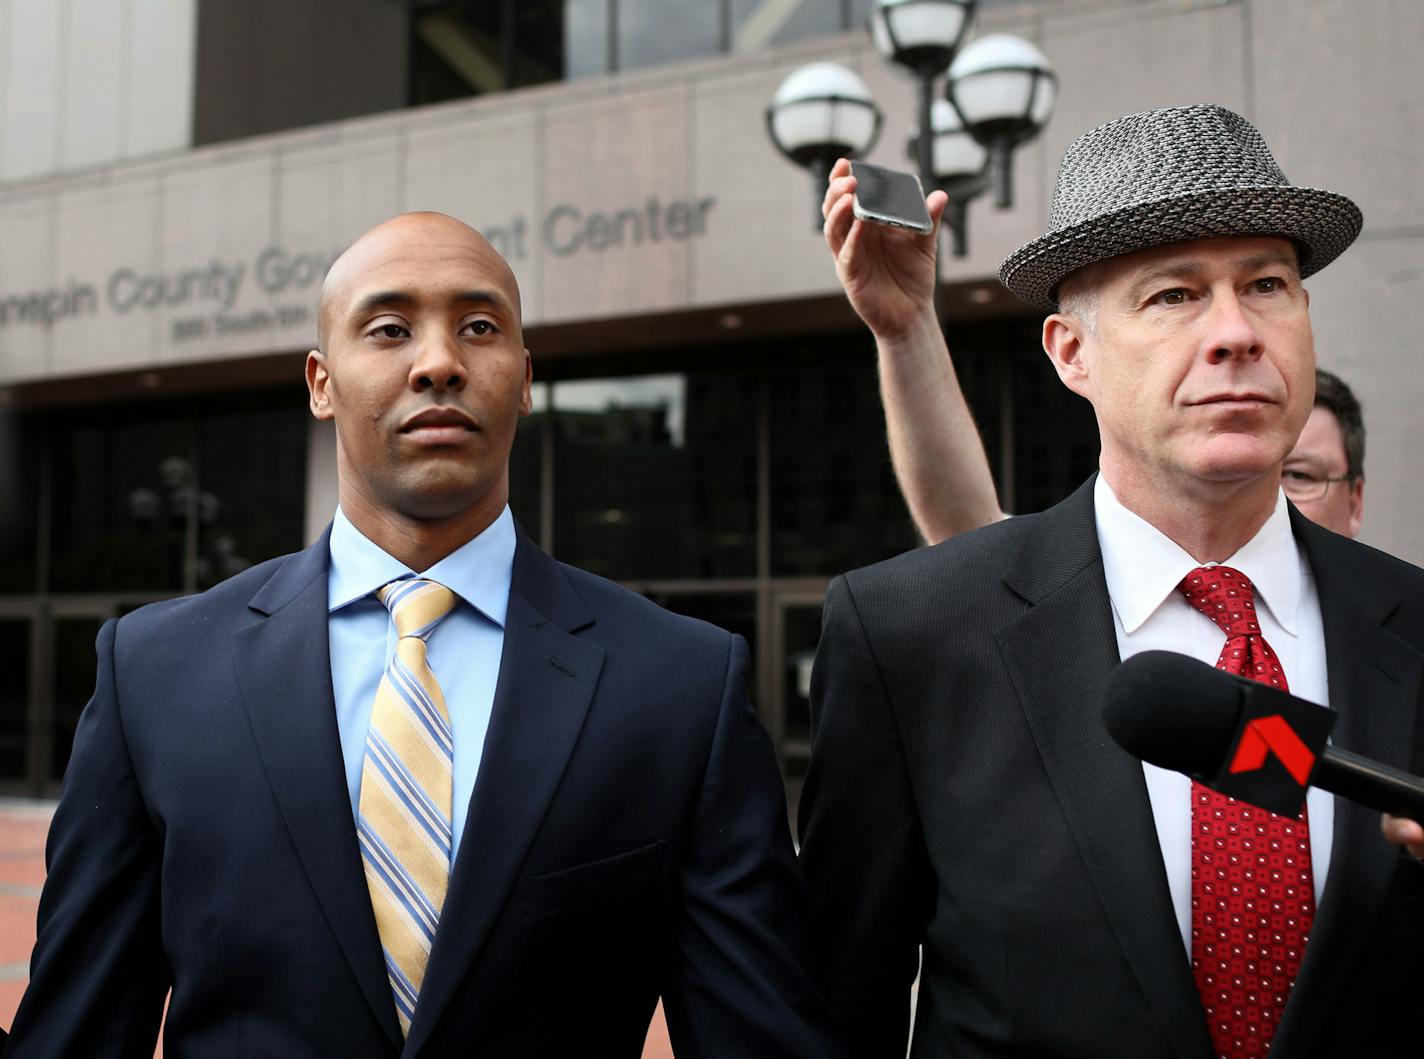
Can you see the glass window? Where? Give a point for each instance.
(586, 38)
(539, 42)
(766, 23)
(75, 670)
(655, 475)
(129, 481)
(1055, 436)
(457, 49)
(21, 460)
(652, 32)
(250, 485)
(120, 512)
(465, 48)
(15, 636)
(834, 501)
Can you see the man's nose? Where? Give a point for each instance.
(1232, 333)
(437, 365)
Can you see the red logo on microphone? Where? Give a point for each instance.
(1273, 735)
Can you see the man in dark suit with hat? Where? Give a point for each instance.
(964, 799)
(419, 790)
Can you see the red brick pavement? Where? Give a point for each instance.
(22, 833)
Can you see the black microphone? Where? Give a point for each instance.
(1243, 738)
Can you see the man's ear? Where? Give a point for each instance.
(1357, 504)
(526, 401)
(1064, 337)
(318, 385)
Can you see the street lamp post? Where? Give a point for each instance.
(1000, 92)
(958, 167)
(1004, 91)
(820, 113)
(922, 36)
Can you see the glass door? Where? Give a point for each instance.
(18, 645)
(795, 631)
(47, 671)
(71, 671)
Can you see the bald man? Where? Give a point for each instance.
(419, 790)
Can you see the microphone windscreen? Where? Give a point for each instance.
(1173, 711)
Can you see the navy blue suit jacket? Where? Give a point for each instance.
(627, 839)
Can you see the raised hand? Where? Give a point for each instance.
(888, 273)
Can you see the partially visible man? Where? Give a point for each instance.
(962, 794)
(419, 790)
(1324, 475)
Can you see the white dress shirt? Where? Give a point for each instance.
(1143, 567)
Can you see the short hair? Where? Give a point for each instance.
(1077, 295)
(1333, 395)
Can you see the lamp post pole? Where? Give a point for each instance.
(924, 142)
(1003, 90)
(924, 152)
(820, 113)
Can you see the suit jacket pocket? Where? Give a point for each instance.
(597, 880)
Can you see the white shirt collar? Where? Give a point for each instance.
(1143, 566)
(479, 571)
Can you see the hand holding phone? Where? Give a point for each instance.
(890, 197)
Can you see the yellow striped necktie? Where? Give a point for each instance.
(403, 823)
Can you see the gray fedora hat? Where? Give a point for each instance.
(1166, 176)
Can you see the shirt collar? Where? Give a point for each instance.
(478, 572)
(1143, 566)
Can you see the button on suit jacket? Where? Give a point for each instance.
(963, 793)
(626, 839)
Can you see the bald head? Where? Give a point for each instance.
(408, 239)
(423, 370)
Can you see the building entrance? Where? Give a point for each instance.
(47, 669)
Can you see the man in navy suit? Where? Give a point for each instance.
(616, 830)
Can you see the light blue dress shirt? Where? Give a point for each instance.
(463, 651)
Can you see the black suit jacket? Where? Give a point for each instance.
(627, 838)
(963, 793)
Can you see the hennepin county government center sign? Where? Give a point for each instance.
(211, 291)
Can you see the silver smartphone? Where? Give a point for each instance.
(889, 196)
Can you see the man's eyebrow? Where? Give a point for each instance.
(1271, 260)
(383, 299)
(485, 297)
(398, 299)
(1168, 270)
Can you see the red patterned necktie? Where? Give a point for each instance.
(1253, 898)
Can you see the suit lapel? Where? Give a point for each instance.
(1374, 679)
(284, 670)
(1059, 654)
(547, 679)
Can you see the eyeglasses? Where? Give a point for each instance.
(1303, 487)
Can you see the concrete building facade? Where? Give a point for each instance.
(683, 314)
